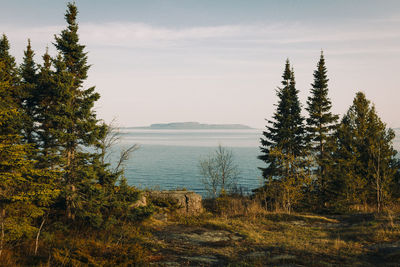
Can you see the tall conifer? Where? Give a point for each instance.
(10, 70)
(320, 125)
(29, 93)
(283, 147)
(46, 115)
(74, 121)
(9, 92)
(286, 131)
(26, 190)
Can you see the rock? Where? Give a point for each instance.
(187, 202)
(202, 259)
(208, 236)
(283, 257)
(257, 254)
(141, 202)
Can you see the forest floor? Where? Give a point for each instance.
(274, 239)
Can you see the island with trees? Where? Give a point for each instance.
(193, 126)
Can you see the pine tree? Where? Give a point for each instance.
(9, 91)
(29, 93)
(286, 130)
(320, 126)
(283, 146)
(46, 129)
(364, 156)
(9, 69)
(26, 191)
(72, 116)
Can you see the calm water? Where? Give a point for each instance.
(169, 159)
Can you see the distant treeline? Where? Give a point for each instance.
(318, 163)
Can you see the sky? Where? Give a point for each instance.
(219, 61)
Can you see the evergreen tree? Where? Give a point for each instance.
(364, 157)
(320, 126)
(283, 147)
(351, 152)
(48, 100)
(9, 91)
(29, 94)
(286, 131)
(26, 191)
(9, 69)
(72, 116)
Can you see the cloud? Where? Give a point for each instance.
(199, 61)
(139, 34)
(129, 34)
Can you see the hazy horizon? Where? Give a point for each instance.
(219, 61)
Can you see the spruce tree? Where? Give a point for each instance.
(320, 126)
(283, 146)
(46, 118)
(286, 130)
(29, 93)
(9, 69)
(72, 116)
(26, 190)
(9, 92)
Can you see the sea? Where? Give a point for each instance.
(169, 159)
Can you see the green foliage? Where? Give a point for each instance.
(286, 130)
(9, 90)
(9, 71)
(29, 94)
(26, 192)
(283, 147)
(57, 194)
(47, 127)
(289, 190)
(365, 163)
(355, 160)
(70, 122)
(162, 202)
(321, 124)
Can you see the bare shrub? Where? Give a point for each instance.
(219, 172)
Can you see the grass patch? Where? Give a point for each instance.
(262, 238)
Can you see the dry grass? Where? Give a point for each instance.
(273, 238)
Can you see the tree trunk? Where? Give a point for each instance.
(3, 215)
(378, 197)
(70, 184)
(38, 234)
(378, 182)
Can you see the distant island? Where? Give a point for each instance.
(193, 126)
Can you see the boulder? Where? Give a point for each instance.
(186, 202)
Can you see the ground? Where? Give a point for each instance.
(274, 239)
